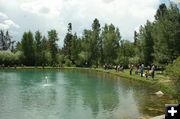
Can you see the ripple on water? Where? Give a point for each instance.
(46, 85)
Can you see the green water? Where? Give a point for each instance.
(24, 94)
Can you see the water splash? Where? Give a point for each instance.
(46, 79)
(46, 82)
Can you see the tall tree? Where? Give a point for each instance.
(74, 48)
(125, 52)
(68, 42)
(46, 58)
(52, 38)
(166, 35)
(147, 43)
(28, 48)
(111, 41)
(86, 45)
(38, 38)
(161, 12)
(96, 42)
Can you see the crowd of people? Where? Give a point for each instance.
(118, 67)
(148, 71)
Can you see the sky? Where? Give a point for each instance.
(18, 16)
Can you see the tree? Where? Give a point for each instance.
(74, 48)
(161, 12)
(44, 44)
(52, 38)
(157, 41)
(96, 43)
(5, 41)
(28, 48)
(18, 46)
(166, 35)
(45, 52)
(68, 43)
(173, 71)
(126, 52)
(85, 55)
(147, 43)
(111, 41)
(38, 38)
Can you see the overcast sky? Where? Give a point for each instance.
(23, 15)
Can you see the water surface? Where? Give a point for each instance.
(25, 94)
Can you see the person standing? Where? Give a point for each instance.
(152, 71)
(142, 69)
(131, 68)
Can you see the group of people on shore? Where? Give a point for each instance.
(138, 69)
(118, 67)
(148, 71)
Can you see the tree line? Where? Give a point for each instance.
(159, 41)
(155, 42)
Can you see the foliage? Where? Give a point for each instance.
(146, 43)
(52, 38)
(38, 43)
(155, 42)
(8, 58)
(173, 69)
(60, 59)
(111, 42)
(68, 62)
(126, 51)
(28, 48)
(46, 58)
(96, 42)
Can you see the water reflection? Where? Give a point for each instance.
(73, 95)
(105, 97)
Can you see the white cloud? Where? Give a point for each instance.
(6, 23)
(11, 23)
(49, 8)
(126, 14)
(4, 26)
(176, 1)
(44, 15)
(3, 16)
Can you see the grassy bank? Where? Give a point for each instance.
(161, 82)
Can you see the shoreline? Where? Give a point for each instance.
(166, 87)
(151, 83)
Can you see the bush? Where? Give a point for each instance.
(134, 60)
(82, 59)
(60, 59)
(46, 58)
(19, 57)
(174, 69)
(68, 63)
(7, 58)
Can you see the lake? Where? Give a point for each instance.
(73, 94)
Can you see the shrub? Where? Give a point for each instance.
(68, 63)
(174, 69)
(7, 58)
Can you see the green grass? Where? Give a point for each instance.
(160, 82)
